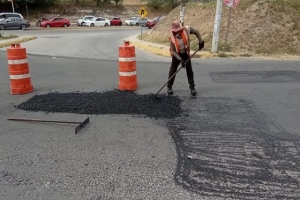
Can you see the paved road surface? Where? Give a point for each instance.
(239, 138)
(99, 43)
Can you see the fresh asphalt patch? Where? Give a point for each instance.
(228, 148)
(107, 102)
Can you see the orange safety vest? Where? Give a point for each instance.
(185, 38)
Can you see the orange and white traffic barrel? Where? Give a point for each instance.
(20, 81)
(127, 67)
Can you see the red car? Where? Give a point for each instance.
(56, 22)
(115, 21)
(153, 21)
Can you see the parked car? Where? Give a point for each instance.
(154, 21)
(13, 22)
(115, 21)
(98, 21)
(56, 22)
(9, 14)
(82, 21)
(136, 21)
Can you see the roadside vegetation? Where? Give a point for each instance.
(266, 27)
(3, 37)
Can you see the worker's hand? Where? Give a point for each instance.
(201, 45)
(182, 63)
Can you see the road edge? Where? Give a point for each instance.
(8, 42)
(164, 50)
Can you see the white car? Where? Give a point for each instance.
(98, 21)
(82, 22)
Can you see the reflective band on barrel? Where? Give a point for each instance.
(19, 76)
(23, 61)
(127, 73)
(127, 59)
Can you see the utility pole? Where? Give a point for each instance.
(12, 5)
(27, 11)
(182, 12)
(215, 41)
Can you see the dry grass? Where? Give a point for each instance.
(2, 37)
(256, 26)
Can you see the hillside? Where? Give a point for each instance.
(256, 26)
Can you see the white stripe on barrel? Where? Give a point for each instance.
(21, 76)
(127, 73)
(127, 59)
(22, 61)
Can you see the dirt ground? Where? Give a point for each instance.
(257, 28)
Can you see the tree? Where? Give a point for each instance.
(97, 2)
(117, 1)
(174, 3)
(157, 4)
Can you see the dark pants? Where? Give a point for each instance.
(189, 70)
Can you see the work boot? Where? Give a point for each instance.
(170, 91)
(193, 92)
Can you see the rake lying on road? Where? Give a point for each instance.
(78, 128)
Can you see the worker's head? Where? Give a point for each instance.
(175, 27)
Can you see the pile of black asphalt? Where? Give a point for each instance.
(107, 102)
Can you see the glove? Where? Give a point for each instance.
(182, 63)
(201, 45)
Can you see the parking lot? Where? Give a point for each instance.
(17, 20)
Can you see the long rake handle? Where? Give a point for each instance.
(168, 80)
(39, 120)
(176, 72)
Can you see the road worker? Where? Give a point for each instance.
(180, 51)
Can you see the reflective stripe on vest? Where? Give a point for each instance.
(185, 39)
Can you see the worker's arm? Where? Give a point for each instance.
(173, 51)
(196, 32)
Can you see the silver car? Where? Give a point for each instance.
(136, 21)
(14, 22)
(9, 14)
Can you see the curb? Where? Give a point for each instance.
(164, 50)
(16, 41)
(152, 49)
(79, 28)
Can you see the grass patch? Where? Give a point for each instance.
(260, 27)
(203, 5)
(291, 3)
(2, 37)
(245, 55)
(144, 37)
(225, 47)
(223, 55)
